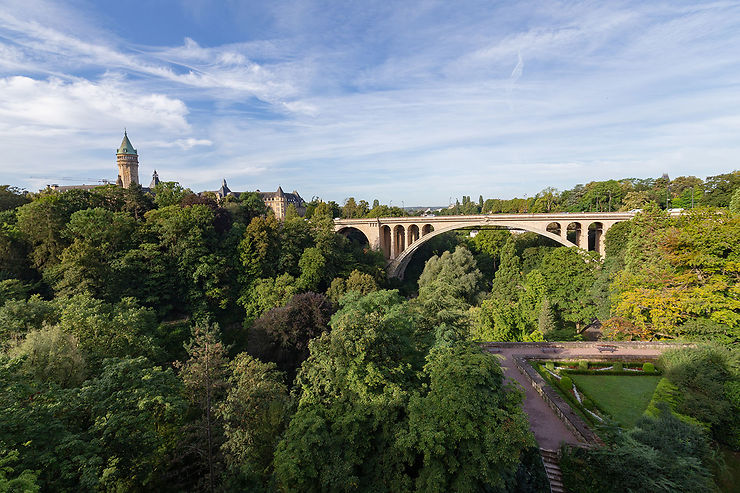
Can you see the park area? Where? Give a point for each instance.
(623, 397)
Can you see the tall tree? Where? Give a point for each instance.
(255, 412)
(204, 378)
(468, 427)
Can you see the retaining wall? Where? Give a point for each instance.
(590, 344)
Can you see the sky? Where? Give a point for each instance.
(412, 103)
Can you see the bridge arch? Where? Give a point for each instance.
(385, 240)
(397, 266)
(413, 233)
(354, 234)
(554, 228)
(597, 227)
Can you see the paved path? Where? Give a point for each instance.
(548, 429)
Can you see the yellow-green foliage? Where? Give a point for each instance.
(678, 270)
(669, 394)
(566, 384)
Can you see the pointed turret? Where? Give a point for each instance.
(128, 162)
(155, 180)
(126, 147)
(280, 192)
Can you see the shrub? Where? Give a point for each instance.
(550, 365)
(700, 374)
(583, 365)
(648, 368)
(588, 403)
(618, 366)
(566, 384)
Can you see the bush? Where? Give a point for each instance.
(700, 374)
(583, 365)
(659, 454)
(648, 368)
(566, 384)
(550, 366)
(588, 403)
(618, 366)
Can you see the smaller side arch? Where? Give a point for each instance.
(554, 228)
(596, 237)
(413, 233)
(385, 241)
(355, 235)
(399, 241)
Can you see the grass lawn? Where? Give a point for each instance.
(625, 398)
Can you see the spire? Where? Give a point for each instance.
(280, 191)
(126, 147)
(224, 190)
(155, 179)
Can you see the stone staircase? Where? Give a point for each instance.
(551, 461)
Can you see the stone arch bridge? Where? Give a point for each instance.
(399, 237)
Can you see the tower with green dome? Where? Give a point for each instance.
(128, 163)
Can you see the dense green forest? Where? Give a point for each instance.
(172, 342)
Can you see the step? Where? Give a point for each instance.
(551, 461)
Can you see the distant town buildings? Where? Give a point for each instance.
(127, 159)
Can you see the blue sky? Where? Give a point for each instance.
(409, 102)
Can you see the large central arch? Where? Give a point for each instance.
(397, 266)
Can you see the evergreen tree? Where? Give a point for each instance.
(547, 320)
(509, 280)
(204, 376)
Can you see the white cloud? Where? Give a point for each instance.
(184, 144)
(82, 105)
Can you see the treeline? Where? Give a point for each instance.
(684, 192)
(174, 343)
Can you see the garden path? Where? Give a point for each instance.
(548, 429)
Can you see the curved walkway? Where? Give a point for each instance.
(548, 428)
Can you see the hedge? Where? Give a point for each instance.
(609, 372)
(668, 393)
(566, 383)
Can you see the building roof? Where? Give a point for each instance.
(126, 147)
(291, 198)
(64, 188)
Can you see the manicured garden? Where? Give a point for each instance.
(624, 398)
(596, 390)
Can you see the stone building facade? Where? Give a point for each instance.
(278, 201)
